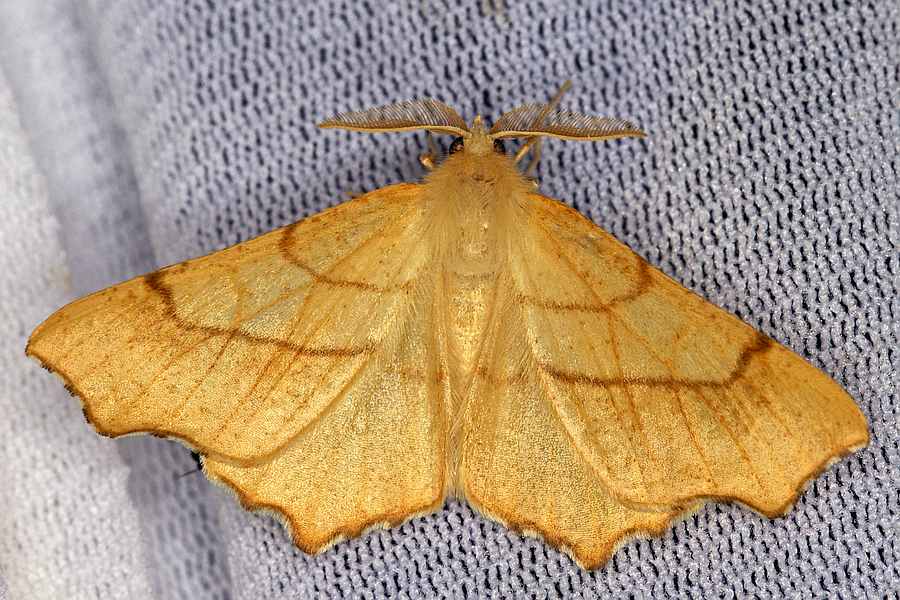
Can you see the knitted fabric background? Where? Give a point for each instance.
(136, 134)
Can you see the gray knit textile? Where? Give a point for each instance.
(136, 134)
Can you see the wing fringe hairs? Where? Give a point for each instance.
(460, 337)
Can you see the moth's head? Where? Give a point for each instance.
(528, 121)
(477, 141)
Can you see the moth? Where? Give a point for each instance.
(461, 337)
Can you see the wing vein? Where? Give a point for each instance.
(287, 238)
(741, 450)
(111, 349)
(642, 434)
(341, 393)
(276, 351)
(674, 390)
(284, 241)
(529, 273)
(174, 412)
(131, 402)
(78, 343)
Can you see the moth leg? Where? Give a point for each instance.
(526, 147)
(195, 456)
(533, 145)
(428, 158)
(535, 158)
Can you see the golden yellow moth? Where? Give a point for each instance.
(464, 336)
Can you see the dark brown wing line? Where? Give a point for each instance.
(641, 286)
(760, 344)
(284, 246)
(154, 281)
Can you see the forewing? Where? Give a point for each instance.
(239, 351)
(375, 459)
(669, 398)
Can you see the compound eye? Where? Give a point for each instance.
(499, 147)
(456, 146)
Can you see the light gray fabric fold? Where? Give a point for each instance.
(769, 184)
(67, 526)
(82, 157)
